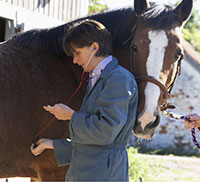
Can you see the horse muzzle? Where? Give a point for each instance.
(148, 130)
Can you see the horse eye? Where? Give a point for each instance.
(134, 48)
(179, 56)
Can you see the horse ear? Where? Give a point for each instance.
(183, 11)
(140, 6)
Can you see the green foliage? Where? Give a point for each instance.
(191, 30)
(96, 7)
(193, 36)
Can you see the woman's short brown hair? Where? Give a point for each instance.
(84, 33)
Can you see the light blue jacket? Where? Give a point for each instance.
(101, 130)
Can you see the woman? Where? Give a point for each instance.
(101, 130)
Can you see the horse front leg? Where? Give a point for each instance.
(50, 174)
(35, 180)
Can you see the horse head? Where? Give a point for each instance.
(156, 57)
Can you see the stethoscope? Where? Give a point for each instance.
(83, 77)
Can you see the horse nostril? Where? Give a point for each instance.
(149, 128)
(155, 123)
(156, 114)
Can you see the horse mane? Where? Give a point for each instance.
(49, 40)
(118, 22)
(160, 17)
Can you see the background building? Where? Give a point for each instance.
(23, 15)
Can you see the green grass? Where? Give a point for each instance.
(142, 169)
(162, 168)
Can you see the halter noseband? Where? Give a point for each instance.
(148, 78)
(163, 88)
(152, 79)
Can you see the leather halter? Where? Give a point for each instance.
(147, 78)
(152, 79)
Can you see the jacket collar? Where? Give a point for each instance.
(109, 67)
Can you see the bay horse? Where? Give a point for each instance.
(34, 71)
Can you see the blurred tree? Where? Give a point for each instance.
(191, 30)
(95, 7)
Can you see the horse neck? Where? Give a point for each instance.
(118, 22)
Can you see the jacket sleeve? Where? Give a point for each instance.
(62, 151)
(111, 112)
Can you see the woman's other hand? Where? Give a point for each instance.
(42, 145)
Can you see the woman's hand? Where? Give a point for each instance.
(42, 144)
(194, 121)
(60, 111)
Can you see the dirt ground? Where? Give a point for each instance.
(173, 169)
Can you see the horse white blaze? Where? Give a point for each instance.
(154, 66)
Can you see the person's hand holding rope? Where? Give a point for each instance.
(193, 122)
